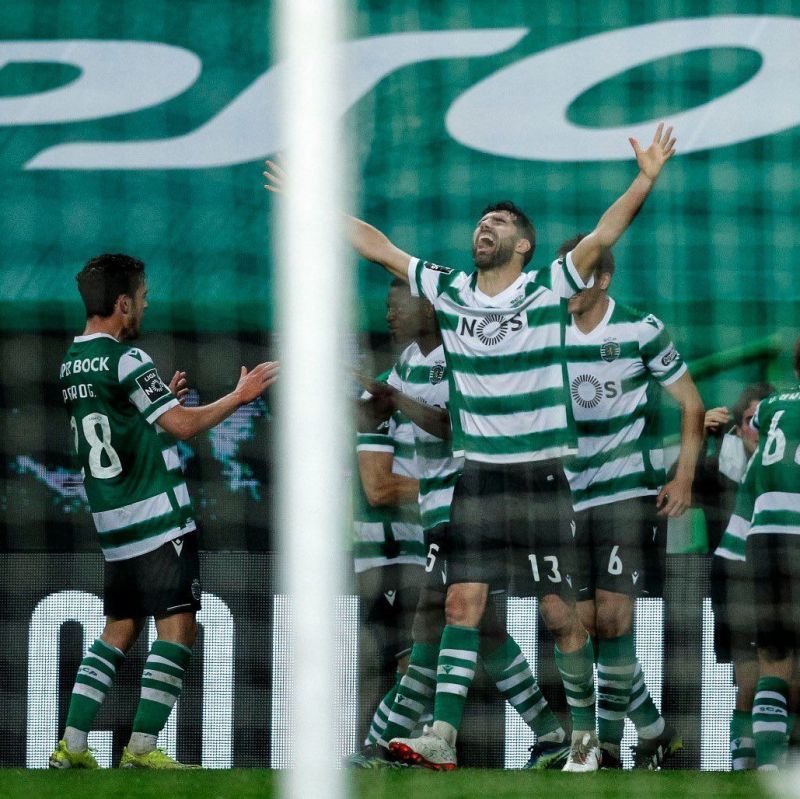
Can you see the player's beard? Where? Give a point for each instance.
(498, 257)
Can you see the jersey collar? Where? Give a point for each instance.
(92, 337)
(601, 325)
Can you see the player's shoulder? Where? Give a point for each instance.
(631, 314)
(131, 360)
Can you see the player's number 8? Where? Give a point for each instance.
(98, 445)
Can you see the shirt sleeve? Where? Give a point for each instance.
(658, 352)
(429, 280)
(145, 389)
(562, 278)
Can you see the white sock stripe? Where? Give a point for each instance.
(160, 676)
(452, 688)
(151, 658)
(418, 707)
(162, 697)
(652, 730)
(89, 692)
(532, 712)
(637, 702)
(769, 726)
(516, 662)
(510, 682)
(762, 695)
(580, 688)
(637, 670)
(523, 696)
(418, 687)
(424, 672)
(461, 654)
(95, 674)
(638, 683)
(625, 670)
(611, 715)
(744, 743)
(105, 662)
(457, 671)
(580, 702)
(406, 722)
(743, 763)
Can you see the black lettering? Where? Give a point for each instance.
(466, 327)
(516, 322)
(611, 389)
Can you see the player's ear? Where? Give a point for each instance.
(124, 303)
(523, 246)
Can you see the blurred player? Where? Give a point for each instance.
(418, 387)
(731, 584)
(773, 554)
(389, 549)
(125, 421)
(502, 337)
(617, 357)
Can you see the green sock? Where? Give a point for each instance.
(162, 681)
(615, 667)
(577, 674)
(642, 711)
(381, 717)
(770, 722)
(509, 670)
(415, 692)
(95, 676)
(743, 749)
(455, 672)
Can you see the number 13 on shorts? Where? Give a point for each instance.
(549, 564)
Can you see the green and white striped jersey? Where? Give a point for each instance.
(424, 379)
(776, 467)
(131, 468)
(386, 535)
(732, 545)
(613, 372)
(508, 398)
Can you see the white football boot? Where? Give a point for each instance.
(429, 751)
(585, 755)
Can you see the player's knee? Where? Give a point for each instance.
(464, 606)
(613, 615)
(561, 618)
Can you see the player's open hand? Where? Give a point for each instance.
(661, 149)
(254, 383)
(179, 387)
(275, 176)
(675, 498)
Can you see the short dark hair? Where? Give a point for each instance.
(522, 223)
(752, 392)
(605, 264)
(104, 278)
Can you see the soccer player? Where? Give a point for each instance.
(389, 549)
(773, 553)
(731, 584)
(125, 421)
(418, 386)
(617, 357)
(502, 338)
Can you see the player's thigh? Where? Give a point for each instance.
(733, 603)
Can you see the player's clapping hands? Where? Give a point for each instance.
(179, 387)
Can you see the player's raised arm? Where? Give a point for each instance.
(369, 242)
(183, 423)
(616, 220)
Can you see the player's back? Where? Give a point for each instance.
(777, 462)
(131, 469)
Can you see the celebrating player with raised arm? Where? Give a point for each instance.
(125, 421)
(501, 329)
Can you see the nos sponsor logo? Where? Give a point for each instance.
(152, 385)
(491, 329)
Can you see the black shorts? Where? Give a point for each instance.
(388, 598)
(512, 522)
(620, 547)
(734, 610)
(774, 561)
(159, 583)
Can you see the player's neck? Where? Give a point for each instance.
(588, 320)
(496, 280)
(109, 325)
(428, 342)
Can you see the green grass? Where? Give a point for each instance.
(411, 784)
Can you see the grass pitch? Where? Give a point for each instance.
(406, 784)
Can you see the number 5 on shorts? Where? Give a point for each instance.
(431, 562)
